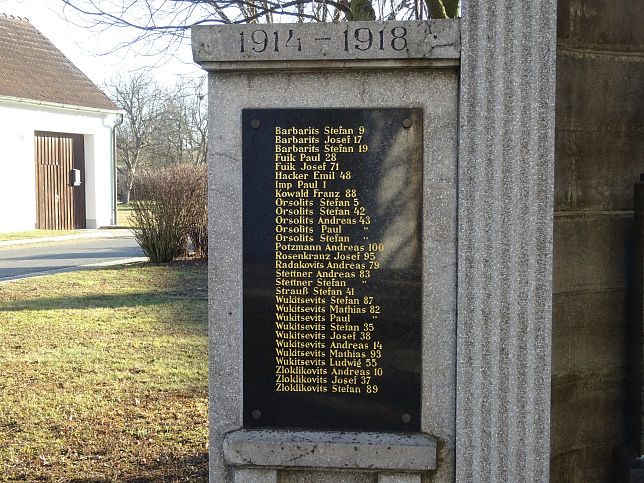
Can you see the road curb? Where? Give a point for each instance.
(121, 261)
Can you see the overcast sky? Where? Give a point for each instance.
(83, 47)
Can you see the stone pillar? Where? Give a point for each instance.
(506, 158)
(599, 157)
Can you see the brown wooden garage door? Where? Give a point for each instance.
(60, 205)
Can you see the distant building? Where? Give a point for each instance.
(57, 166)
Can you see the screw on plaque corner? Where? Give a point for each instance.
(406, 418)
(407, 123)
(255, 123)
(256, 414)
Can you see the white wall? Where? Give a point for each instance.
(18, 121)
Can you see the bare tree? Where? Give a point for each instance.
(161, 126)
(443, 8)
(195, 113)
(138, 98)
(164, 22)
(180, 131)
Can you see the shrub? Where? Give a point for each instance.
(169, 211)
(197, 208)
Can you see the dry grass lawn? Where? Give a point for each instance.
(103, 375)
(124, 215)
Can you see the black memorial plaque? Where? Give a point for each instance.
(332, 268)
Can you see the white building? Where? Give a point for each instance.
(57, 164)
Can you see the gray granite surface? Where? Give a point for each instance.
(436, 92)
(497, 405)
(331, 450)
(505, 205)
(345, 45)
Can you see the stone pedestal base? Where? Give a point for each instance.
(250, 475)
(257, 455)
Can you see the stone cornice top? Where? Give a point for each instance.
(311, 46)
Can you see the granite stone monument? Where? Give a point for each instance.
(380, 221)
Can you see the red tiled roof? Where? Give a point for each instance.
(31, 67)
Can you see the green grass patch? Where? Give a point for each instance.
(124, 215)
(24, 235)
(103, 375)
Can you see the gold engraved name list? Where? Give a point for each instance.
(326, 318)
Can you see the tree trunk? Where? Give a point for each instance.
(443, 8)
(127, 189)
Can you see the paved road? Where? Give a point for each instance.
(33, 259)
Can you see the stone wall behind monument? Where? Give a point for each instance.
(599, 156)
